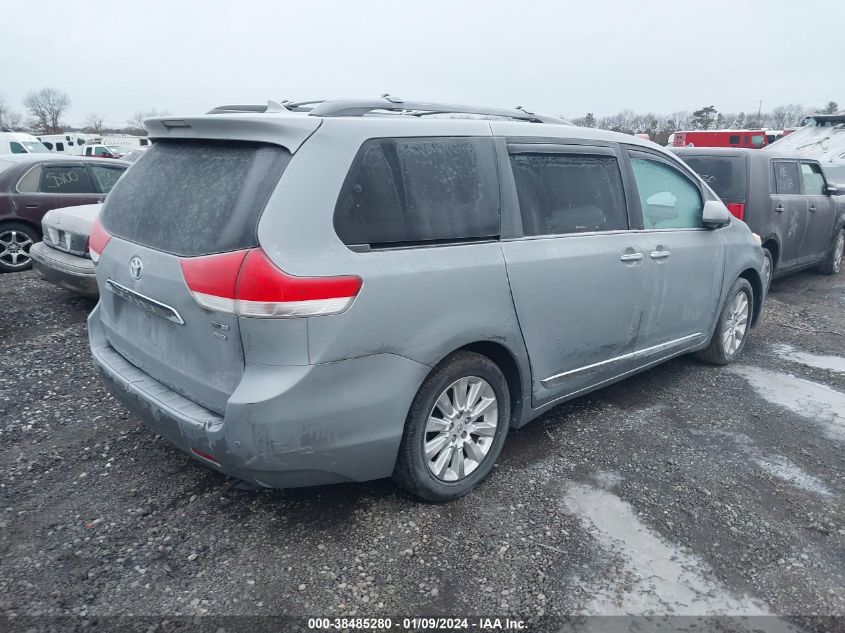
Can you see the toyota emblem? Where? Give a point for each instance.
(135, 267)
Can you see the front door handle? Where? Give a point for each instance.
(779, 208)
(812, 208)
(32, 206)
(660, 254)
(631, 257)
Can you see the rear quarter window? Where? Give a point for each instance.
(407, 191)
(726, 175)
(195, 197)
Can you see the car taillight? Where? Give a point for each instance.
(246, 283)
(97, 240)
(737, 210)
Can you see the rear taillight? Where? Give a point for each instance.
(737, 210)
(246, 283)
(97, 241)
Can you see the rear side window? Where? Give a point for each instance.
(786, 177)
(65, 179)
(195, 197)
(569, 193)
(811, 174)
(106, 177)
(406, 191)
(29, 183)
(16, 148)
(668, 198)
(725, 174)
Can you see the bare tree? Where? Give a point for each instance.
(136, 121)
(46, 108)
(9, 119)
(94, 123)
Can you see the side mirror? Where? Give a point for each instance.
(715, 214)
(832, 189)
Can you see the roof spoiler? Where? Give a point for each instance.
(236, 125)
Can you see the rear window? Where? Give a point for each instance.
(408, 191)
(195, 197)
(725, 174)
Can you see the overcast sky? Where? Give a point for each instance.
(569, 58)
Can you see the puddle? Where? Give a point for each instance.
(806, 398)
(655, 577)
(787, 352)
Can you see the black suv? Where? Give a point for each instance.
(784, 198)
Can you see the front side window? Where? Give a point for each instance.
(786, 177)
(65, 179)
(669, 199)
(106, 177)
(734, 139)
(811, 174)
(101, 151)
(417, 190)
(569, 193)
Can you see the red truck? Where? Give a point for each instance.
(721, 138)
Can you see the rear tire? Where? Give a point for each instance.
(16, 239)
(768, 269)
(455, 429)
(832, 263)
(733, 327)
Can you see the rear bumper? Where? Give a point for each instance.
(284, 426)
(67, 271)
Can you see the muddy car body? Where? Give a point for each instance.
(344, 294)
(785, 197)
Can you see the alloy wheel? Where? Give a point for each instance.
(838, 251)
(736, 324)
(460, 428)
(14, 248)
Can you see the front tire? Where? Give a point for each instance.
(455, 429)
(16, 239)
(832, 263)
(733, 326)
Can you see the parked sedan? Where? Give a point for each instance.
(786, 198)
(62, 256)
(33, 184)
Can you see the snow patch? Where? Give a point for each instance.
(806, 398)
(656, 577)
(786, 470)
(787, 352)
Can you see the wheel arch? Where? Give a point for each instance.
(772, 245)
(506, 361)
(35, 226)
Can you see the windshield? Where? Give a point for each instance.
(35, 147)
(724, 174)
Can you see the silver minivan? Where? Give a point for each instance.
(349, 290)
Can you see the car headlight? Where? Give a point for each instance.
(758, 239)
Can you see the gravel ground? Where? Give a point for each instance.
(686, 490)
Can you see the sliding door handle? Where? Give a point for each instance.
(631, 257)
(660, 254)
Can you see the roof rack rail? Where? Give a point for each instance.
(388, 103)
(361, 107)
